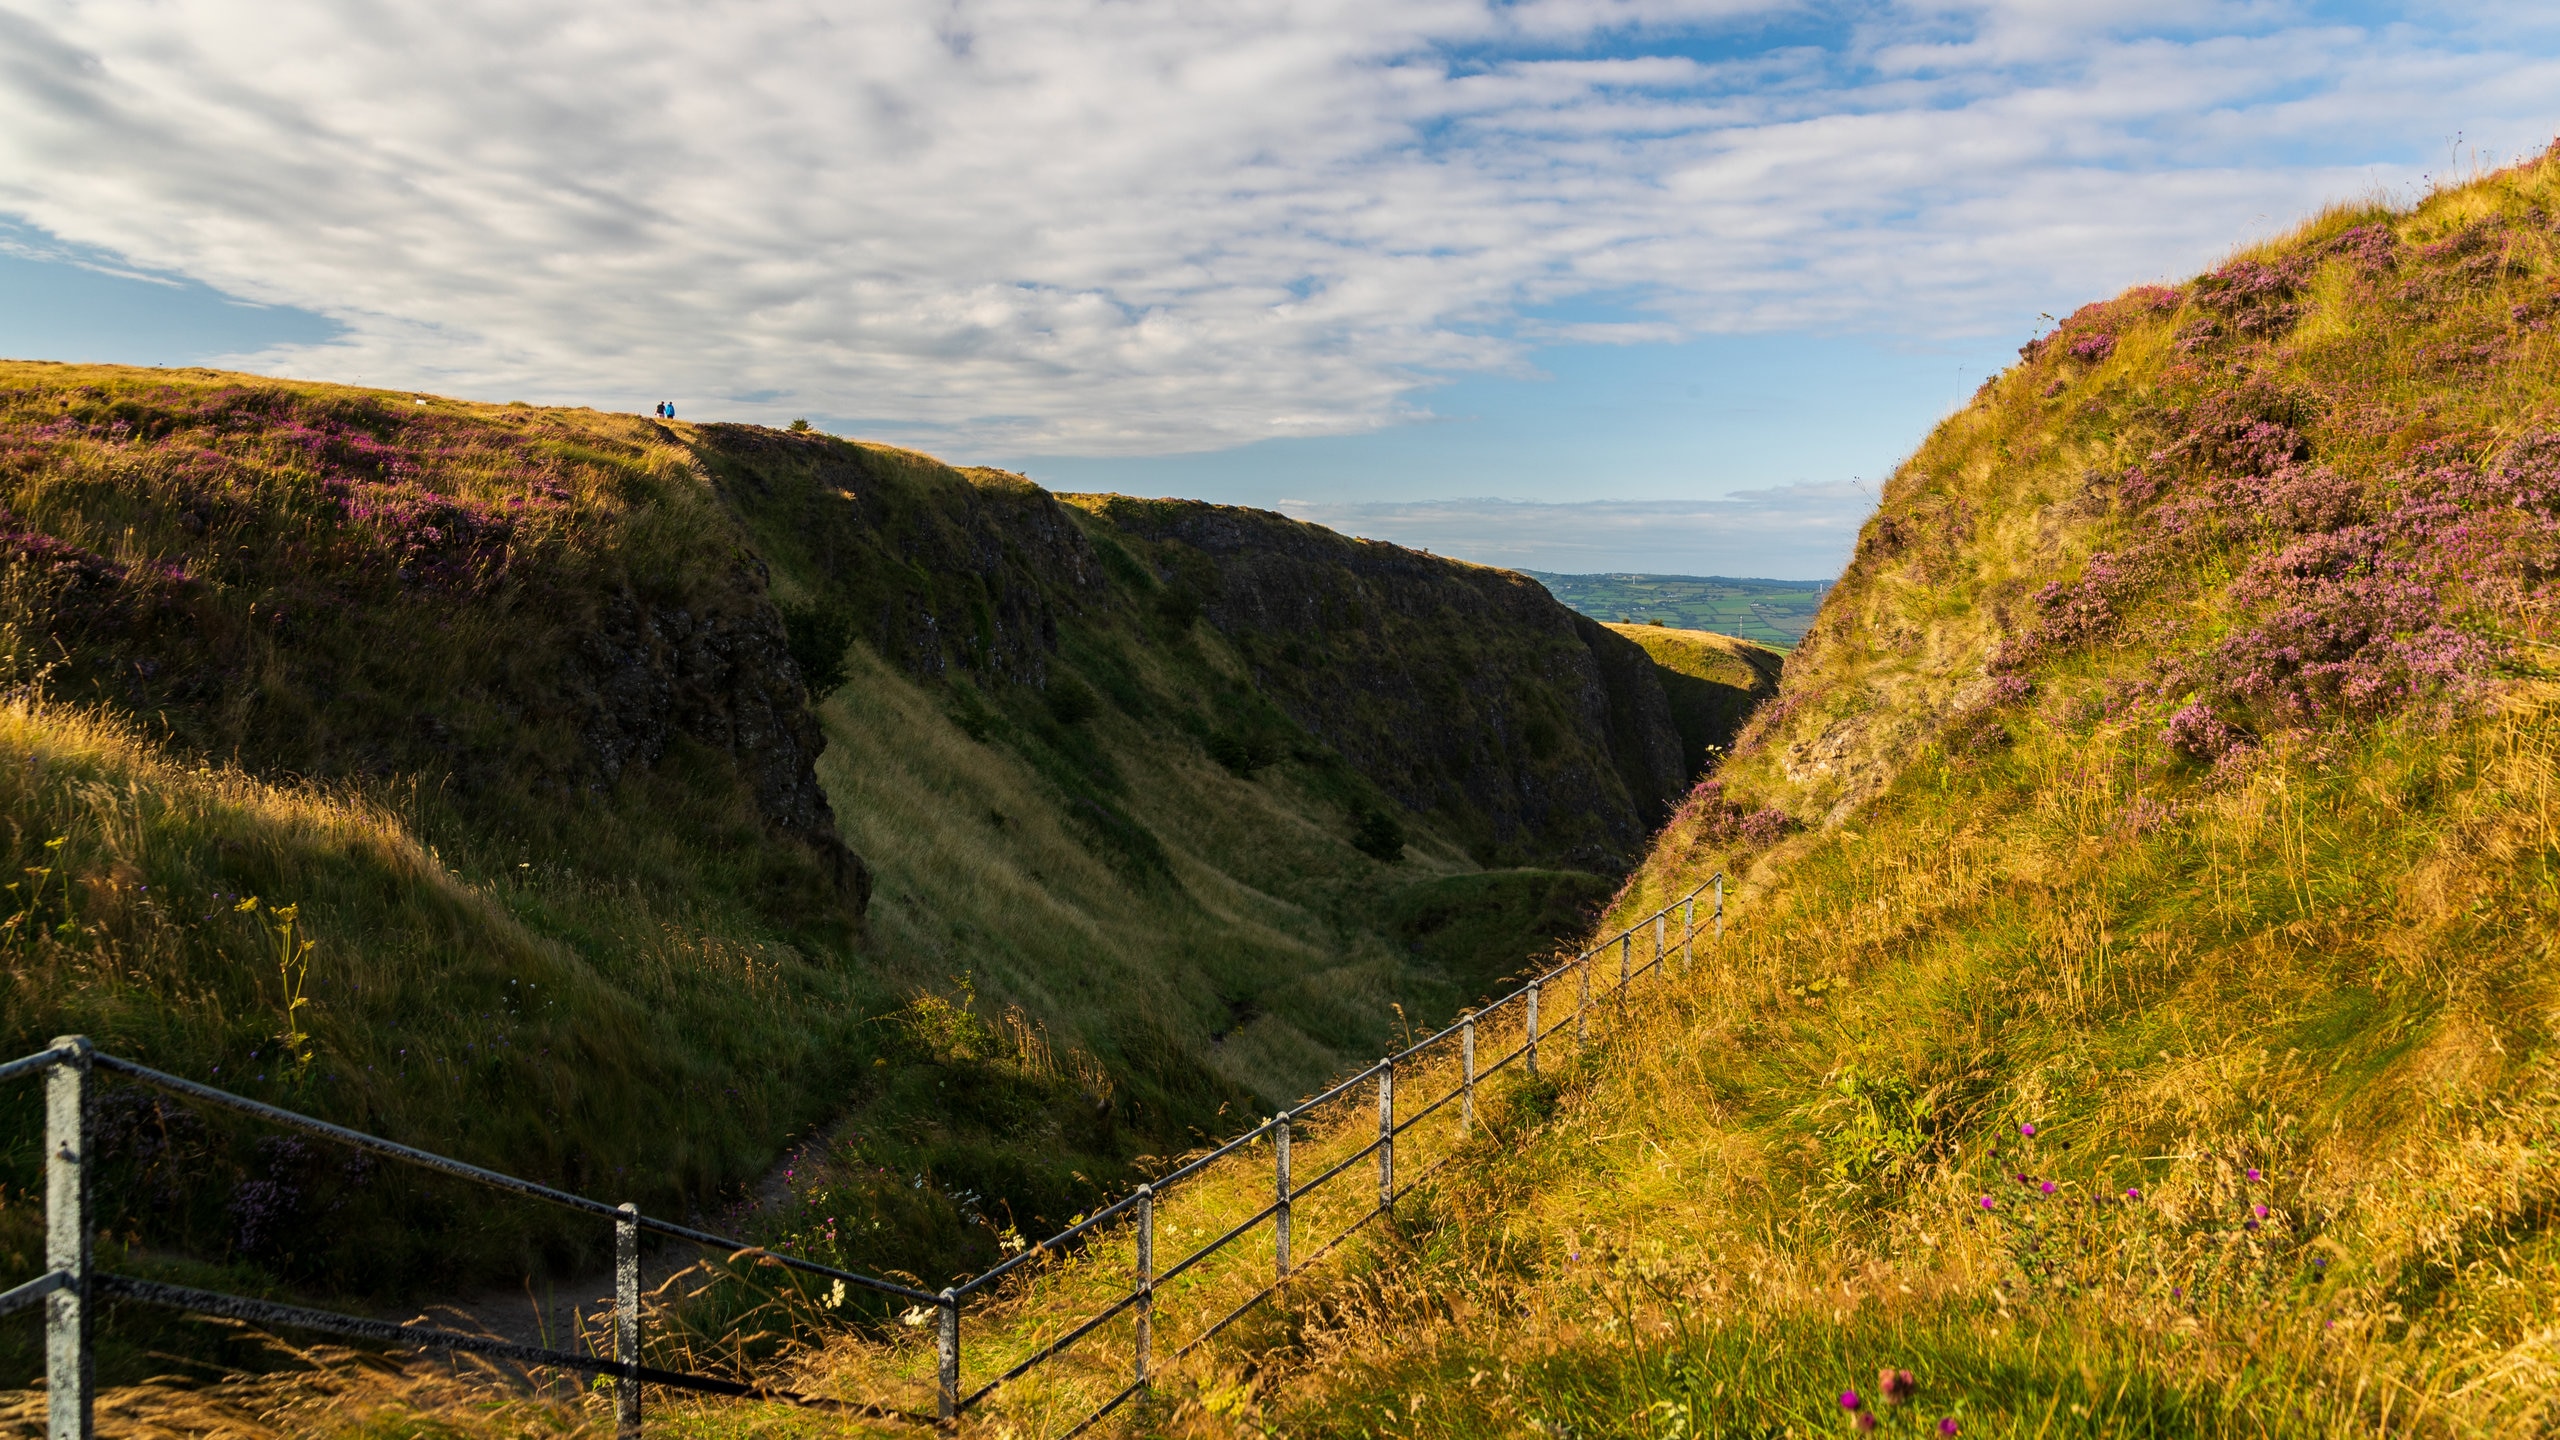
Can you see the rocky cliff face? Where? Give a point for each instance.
(1461, 690)
(937, 569)
(1465, 694)
(723, 678)
(501, 603)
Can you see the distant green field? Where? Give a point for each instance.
(1773, 612)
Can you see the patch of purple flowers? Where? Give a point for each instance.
(1719, 821)
(2093, 349)
(2253, 298)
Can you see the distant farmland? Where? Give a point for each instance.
(1773, 612)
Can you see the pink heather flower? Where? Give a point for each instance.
(1849, 1400)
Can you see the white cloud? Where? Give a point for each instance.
(1792, 532)
(1147, 225)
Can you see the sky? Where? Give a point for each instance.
(1573, 285)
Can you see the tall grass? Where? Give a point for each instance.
(2110, 1073)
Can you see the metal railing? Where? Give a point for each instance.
(72, 1286)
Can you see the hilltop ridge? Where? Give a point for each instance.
(2137, 1016)
(658, 800)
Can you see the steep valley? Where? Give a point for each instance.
(2138, 1014)
(630, 805)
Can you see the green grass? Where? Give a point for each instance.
(2311, 977)
(391, 665)
(1713, 682)
(1775, 613)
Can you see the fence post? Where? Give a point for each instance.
(70, 1375)
(1386, 1135)
(626, 1320)
(1280, 1219)
(947, 1356)
(1626, 959)
(1146, 1282)
(1660, 919)
(1582, 1004)
(1467, 1048)
(1719, 909)
(1533, 1029)
(1688, 934)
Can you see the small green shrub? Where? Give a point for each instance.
(1376, 834)
(1071, 701)
(817, 635)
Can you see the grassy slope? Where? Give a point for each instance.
(2289, 951)
(1713, 682)
(1766, 612)
(338, 650)
(1089, 815)
(288, 671)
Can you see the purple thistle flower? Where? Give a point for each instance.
(1866, 1422)
(1990, 1204)
(2132, 1192)
(2258, 1210)
(2047, 1187)
(1849, 1400)
(2028, 1130)
(1947, 1426)
(2253, 1174)
(1896, 1385)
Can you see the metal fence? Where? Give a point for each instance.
(72, 1287)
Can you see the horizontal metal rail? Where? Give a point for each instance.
(386, 1332)
(19, 1297)
(1232, 1316)
(1354, 1158)
(491, 1178)
(70, 1274)
(1024, 1367)
(1418, 1116)
(1213, 1247)
(1098, 1416)
(1059, 1241)
(41, 1060)
(1199, 1163)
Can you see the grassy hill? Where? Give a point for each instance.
(2139, 1014)
(632, 805)
(1713, 682)
(1774, 613)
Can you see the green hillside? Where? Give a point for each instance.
(633, 805)
(1768, 612)
(1713, 682)
(2139, 1015)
